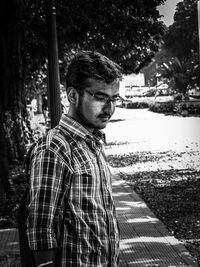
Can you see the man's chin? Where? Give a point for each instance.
(98, 124)
(102, 125)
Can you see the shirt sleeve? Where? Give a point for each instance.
(49, 181)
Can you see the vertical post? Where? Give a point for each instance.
(198, 15)
(53, 66)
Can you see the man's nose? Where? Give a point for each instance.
(109, 106)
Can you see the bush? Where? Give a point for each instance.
(136, 105)
(183, 108)
(162, 107)
(186, 108)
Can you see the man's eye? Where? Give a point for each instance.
(100, 97)
(117, 98)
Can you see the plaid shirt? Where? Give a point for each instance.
(70, 154)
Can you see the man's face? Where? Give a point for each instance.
(96, 106)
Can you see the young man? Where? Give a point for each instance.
(72, 220)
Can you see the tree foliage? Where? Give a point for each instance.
(178, 73)
(126, 31)
(182, 45)
(182, 36)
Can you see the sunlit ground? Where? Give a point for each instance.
(147, 130)
(153, 152)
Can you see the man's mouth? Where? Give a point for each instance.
(104, 117)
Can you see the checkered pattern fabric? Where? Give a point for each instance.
(70, 153)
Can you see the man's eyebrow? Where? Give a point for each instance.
(106, 94)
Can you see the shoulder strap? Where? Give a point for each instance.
(27, 160)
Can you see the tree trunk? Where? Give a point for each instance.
(13, 125)
(12, 104)
(4, 173)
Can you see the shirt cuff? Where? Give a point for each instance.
(41, 239)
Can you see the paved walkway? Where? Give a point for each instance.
(9, 248)
(145, 240)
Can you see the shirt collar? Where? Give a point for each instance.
(77, 131)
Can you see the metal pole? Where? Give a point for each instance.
(53, 66)
(198, 8)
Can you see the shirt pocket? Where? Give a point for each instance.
(85, 187)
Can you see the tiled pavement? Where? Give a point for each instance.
(9, 248)
(145, 241)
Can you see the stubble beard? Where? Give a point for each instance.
(82, 118)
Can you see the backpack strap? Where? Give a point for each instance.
(27, 161)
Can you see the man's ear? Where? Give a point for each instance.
(72, 95)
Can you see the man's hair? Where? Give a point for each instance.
(90, 64)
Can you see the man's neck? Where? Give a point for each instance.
(80, 120)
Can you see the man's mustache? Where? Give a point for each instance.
(105, 115)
